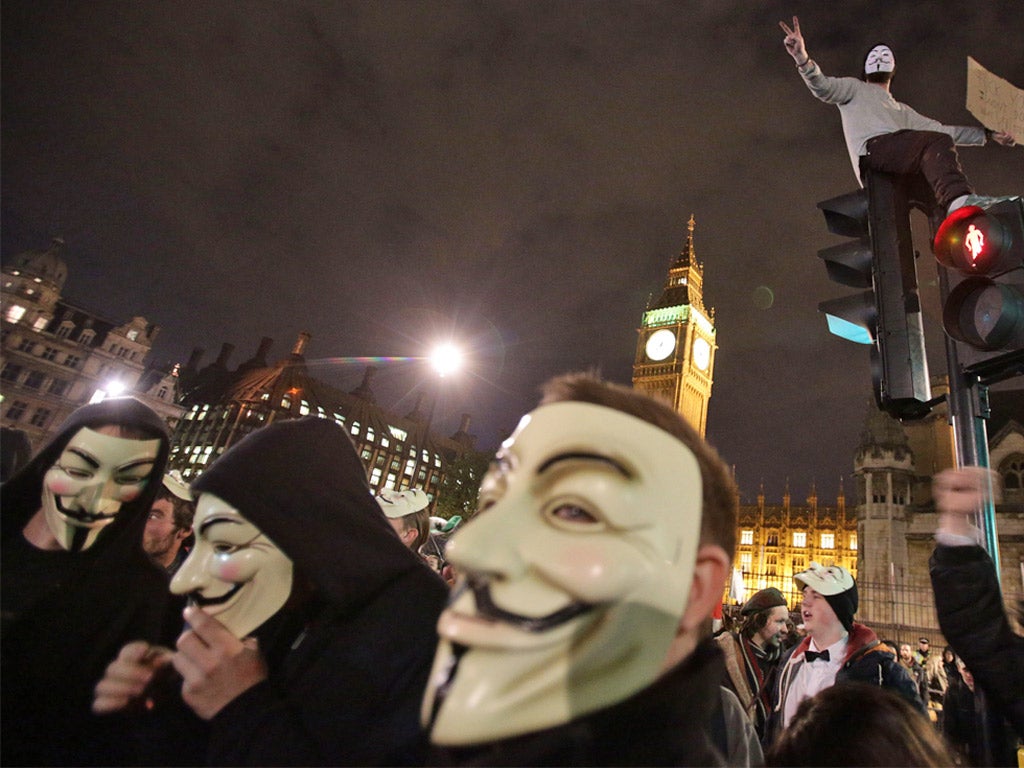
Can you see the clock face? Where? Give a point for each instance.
(701, 353)
(660, 344)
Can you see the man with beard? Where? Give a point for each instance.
(310, 626)
(76, 583)
(752, 654)
(579, 629)
(915, 670)
(169, 524)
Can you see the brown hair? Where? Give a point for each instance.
(718, 517)
(858, 724)
(184, 512)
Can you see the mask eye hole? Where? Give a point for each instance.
(572, 516)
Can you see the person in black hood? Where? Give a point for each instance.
(76, 583)
(292, 548)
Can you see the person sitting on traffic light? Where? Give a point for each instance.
(887, 134)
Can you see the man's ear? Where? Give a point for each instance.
(183, 533)
(709, 577)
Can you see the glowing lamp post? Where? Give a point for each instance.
(446, 359)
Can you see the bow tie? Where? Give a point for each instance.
(813, 655)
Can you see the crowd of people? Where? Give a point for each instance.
(275, 612)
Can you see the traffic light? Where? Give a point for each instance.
(886, 316)
(985, 248)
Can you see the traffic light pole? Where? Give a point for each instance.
(970, 435)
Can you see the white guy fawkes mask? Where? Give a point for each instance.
(234, 572)
(95, 474)
(574, 575)
(879, 59)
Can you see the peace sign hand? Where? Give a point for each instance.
(794, 41)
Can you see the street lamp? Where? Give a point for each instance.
(445, 359)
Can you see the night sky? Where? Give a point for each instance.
(515, 175)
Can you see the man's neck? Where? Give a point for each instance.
(827, 636)
(38, 533)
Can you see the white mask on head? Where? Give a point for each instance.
(879, 59)
(234, 572)
(574, 575)
(96, 473)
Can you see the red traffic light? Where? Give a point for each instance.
(976, 242)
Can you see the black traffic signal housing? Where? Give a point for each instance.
(886, 316)
(983, 248)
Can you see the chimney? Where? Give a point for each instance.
(225, 352)
(300, 344)
(193, 359)
(261, 354)
(363, 390)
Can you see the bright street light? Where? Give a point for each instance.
(445, 359)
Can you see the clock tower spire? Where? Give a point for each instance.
(676, 344)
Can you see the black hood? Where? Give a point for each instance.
(22, 494)
(302, 484)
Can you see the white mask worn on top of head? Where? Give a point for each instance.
(95, 474)
(574, 575)
(879, 59)
(234, 572)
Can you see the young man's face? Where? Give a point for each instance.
(574, 575)
(234, 572)
(905, 653)
(771, 632)
(819, 618)
(96, 473)
(162, 537)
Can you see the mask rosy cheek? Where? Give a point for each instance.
(61, 488)
(129, 494)
(232, 572)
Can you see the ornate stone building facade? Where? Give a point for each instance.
(58, 355)
(677, 341)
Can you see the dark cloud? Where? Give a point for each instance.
(517, 173)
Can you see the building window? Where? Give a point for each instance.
(16, 410)
(40, 417)
(72, 361)
(746, 561)
(132, 335)
(50, 353)
(86, 337)
(34, 380)
(65, 329)
(799, 538)
(853, 541)
(303, 408)
(14, 313)
(10, 372)
(39, 324)
(162, 393)
(355, 427)
(398, 434)
(375, 476)
(59, 387)
(828, 541)
(773, 540)
(746, 537)
(26, 345)
(1012, 470)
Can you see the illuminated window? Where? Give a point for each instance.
(828, 541)
(746, 537)
(375, 476)
(39, 324)
(355, 427)
(746, 560)
(398, 434)
(853, 541)
(799, 538)
(14, 313)
(132, 335)
(303, 408)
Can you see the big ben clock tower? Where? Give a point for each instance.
(675, 351)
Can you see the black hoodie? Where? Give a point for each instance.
(58, 641)
(347, 666)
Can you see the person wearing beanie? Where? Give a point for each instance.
(836, 649)
(752, 653)
(310, 627)
(888, 135)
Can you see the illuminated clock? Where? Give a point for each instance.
(660, 344)
(701, 353)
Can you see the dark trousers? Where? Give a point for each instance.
(930, 153)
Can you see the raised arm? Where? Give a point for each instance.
(794, 42)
